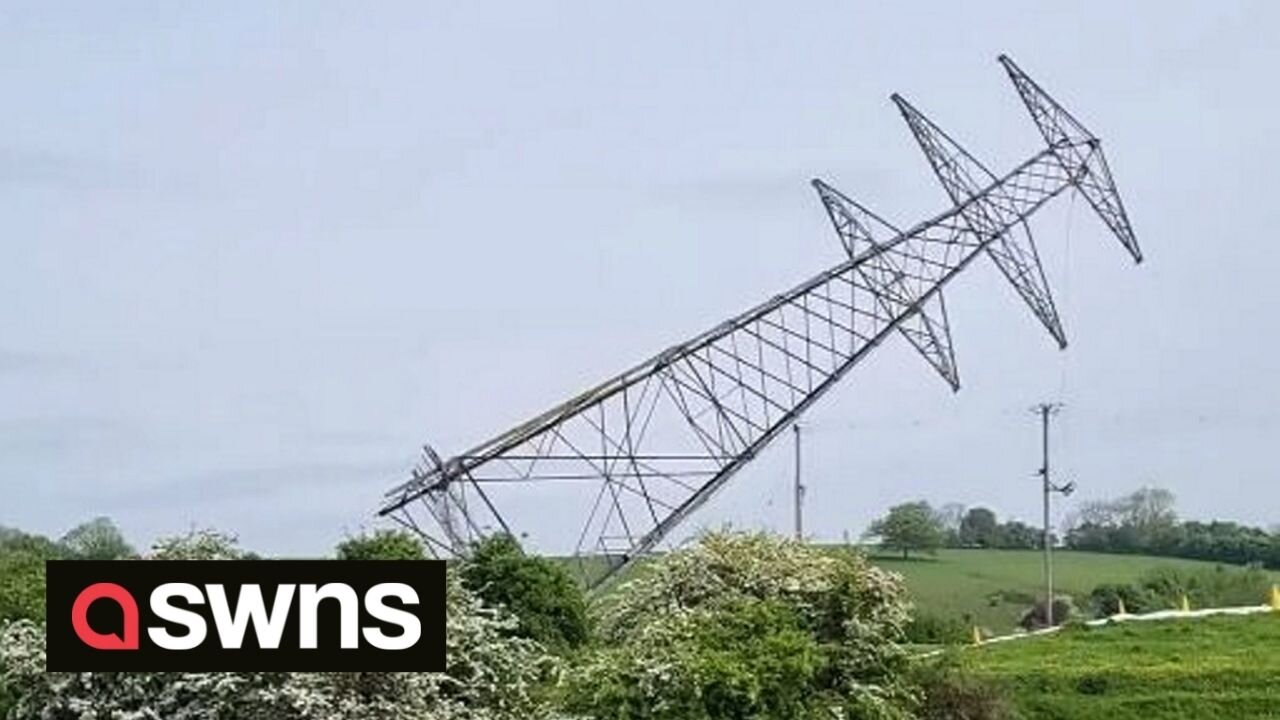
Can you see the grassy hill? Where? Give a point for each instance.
(989, 588)
(993, 587)
(1219, 667)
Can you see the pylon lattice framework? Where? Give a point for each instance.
(653, 444)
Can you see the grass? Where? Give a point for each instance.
(992, 588)
(1218, 667)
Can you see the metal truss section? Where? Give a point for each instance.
(1014, 251)
(1077, 148)
(926, 329)
(930, 332)
(608, 474)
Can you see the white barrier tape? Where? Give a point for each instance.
(1127, 617)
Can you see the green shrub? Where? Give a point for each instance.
(1104, 600)
(21, 587)
(950, 692)
(747, 660)
(1163, 588)
(543, 596)
(930, 629)
(1037, 616)
(1216, 587)
(381, 545)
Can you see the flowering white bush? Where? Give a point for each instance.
(749, 625)
(199, 544)
(490, 676)
(725, 566)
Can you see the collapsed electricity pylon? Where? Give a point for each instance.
(654, 443)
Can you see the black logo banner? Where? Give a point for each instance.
(245, 615)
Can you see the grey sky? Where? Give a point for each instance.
(255, 254)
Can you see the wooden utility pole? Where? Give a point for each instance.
(1045, 411)
(799, 488)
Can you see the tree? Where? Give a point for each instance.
(950, 516)
(979, 528)
(1143, 521)
(382, 545)
(1150, 509)
(1098, 513)
(907, 527)
(22, 558)
(98, 539)
(1017, 535)
(547, 601)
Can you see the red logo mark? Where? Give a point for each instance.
(106, 641)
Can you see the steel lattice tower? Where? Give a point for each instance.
(654, 443)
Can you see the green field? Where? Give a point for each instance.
(991, 588)
(1219, 667)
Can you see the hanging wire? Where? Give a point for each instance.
(1068, 306)
(1064, 359)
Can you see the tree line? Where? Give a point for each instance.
(918, 526)
(1144, 522)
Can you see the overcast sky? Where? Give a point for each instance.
(254, 254)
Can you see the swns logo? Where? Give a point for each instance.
(250, 615)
